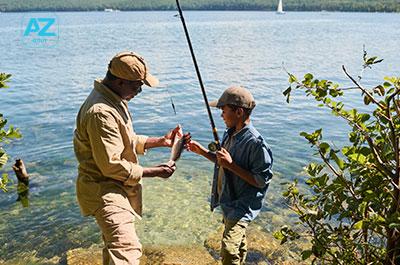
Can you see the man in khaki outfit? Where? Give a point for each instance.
(106, 146)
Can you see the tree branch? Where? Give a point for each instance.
(370, 143)
(326, 161)
(362, 89)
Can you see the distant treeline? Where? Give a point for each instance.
(125, 5)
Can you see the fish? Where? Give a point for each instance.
(177, 146)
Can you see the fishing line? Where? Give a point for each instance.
(213, 146)
(172, 101)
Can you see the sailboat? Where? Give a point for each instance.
(280, 8)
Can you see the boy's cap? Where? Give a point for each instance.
(131, 66)
(237, 96)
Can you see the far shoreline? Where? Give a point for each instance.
(197, 10)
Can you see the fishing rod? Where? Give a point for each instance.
(213, 146)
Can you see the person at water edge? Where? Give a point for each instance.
(109, 185)
(242, 172)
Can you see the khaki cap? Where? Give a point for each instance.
(237, 96)
(131, 66)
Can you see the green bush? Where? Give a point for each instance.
(6, 134)
(351, 212)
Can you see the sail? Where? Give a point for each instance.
(280, 8)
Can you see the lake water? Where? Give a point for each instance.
(246, 48)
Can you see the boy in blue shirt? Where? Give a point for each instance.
(242, 171)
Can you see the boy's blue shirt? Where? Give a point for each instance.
(239, 200)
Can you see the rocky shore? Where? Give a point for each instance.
(263, 250)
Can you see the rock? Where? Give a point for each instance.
(23, 182)
(177, 255)
(153, 255)
(20, 171)
(85, 256)
(263, 248)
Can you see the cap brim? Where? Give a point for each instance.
(151, 81)
(213, 103)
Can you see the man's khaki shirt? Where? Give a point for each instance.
(106, 147)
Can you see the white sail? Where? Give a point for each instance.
(280, 8)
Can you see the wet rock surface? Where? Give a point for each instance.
(263, 250)
(160, 255)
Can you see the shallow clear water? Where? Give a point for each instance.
(247, 48)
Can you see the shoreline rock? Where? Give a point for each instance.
(152, 255)
(264, 249)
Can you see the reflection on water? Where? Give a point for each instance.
(244, 48)
(23, 193)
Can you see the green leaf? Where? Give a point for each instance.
(362, 207)
(278, 235)
(287, 93)
(394, 225)
(292, 78)
(371, 60)
(364, 117)
(3, 159)
(337, 160)
(313, 169)
(391, 79)
(324, 147)
(308, 77)
(360, 158)
(358, 225)
(13, 133)
(387, 84)
(367, 100)
(306, 254)
(3, 122)
(3, 182)
(380, 90)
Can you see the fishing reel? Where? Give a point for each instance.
(213, 146)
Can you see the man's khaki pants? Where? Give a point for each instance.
(234, 244)
(121, 244)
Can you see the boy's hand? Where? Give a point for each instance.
(224, 159)
(194, 146)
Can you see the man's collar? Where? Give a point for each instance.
(108, 93)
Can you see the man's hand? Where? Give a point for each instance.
(163, 170)
(168, 139)
(166, 170)
(224, 159)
